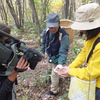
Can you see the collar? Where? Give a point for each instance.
(57, 33)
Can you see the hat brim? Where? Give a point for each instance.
(86, 25)
(52, 25)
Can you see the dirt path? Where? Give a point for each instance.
(33, 85)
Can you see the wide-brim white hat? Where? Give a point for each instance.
(87, 17)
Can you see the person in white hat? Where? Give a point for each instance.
(88, 22)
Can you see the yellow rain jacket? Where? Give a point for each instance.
(92, 70)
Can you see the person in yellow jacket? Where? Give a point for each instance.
(88, 22)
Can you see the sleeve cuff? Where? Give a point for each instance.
(9, 82)
(60, 63)
(72, 71)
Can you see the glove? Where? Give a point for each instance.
(57, 68)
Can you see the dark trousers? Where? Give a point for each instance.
(97, 95)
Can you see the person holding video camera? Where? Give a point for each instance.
(55, 41)
(7, 83)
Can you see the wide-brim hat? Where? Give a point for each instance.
(53, 20)
(87, 17)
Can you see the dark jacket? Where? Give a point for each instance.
(6, 87)
(52, 45)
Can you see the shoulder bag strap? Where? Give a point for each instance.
(95, 43)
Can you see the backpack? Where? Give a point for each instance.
(95, 43)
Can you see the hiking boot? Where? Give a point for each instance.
(50, 93)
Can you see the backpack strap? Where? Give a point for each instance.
(60, 36)
(47, 30)
(95, 43)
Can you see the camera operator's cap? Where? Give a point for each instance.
(87, 17)
(53, 20)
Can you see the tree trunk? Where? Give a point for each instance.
(12, 11)
(48, 2)
(74, 9)
(44, 5)
(44, 10)
(21, 17)
(66, 8)
(97, 1)
(26, 17)
(32, 6)
(3, 12)
(71, 10)
(41, 12)
(23, 13)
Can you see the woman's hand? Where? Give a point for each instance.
(43, 56)
(63, 71)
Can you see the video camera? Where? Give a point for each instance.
(10, 52)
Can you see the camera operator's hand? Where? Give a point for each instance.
(22, 64)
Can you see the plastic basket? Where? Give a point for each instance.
(66, 25)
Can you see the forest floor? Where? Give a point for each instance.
(34, 84)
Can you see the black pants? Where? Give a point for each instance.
(97, 95)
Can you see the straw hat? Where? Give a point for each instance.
(87, 17)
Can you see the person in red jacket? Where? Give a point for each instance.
(7, 83)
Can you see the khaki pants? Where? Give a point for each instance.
(54, 78)
(49, 64)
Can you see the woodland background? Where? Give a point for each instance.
(29, 16)
(27, 19)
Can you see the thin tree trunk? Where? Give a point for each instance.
(3, 13)
(44, 10)
(23, 13)
(97, 1)
(74, 9)
(20, 14)
(26, 15)
(66, 8)
(71, 7)
(11, 8)
(32, 10)
(16, 3)
(41, 12)
(32, 5)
